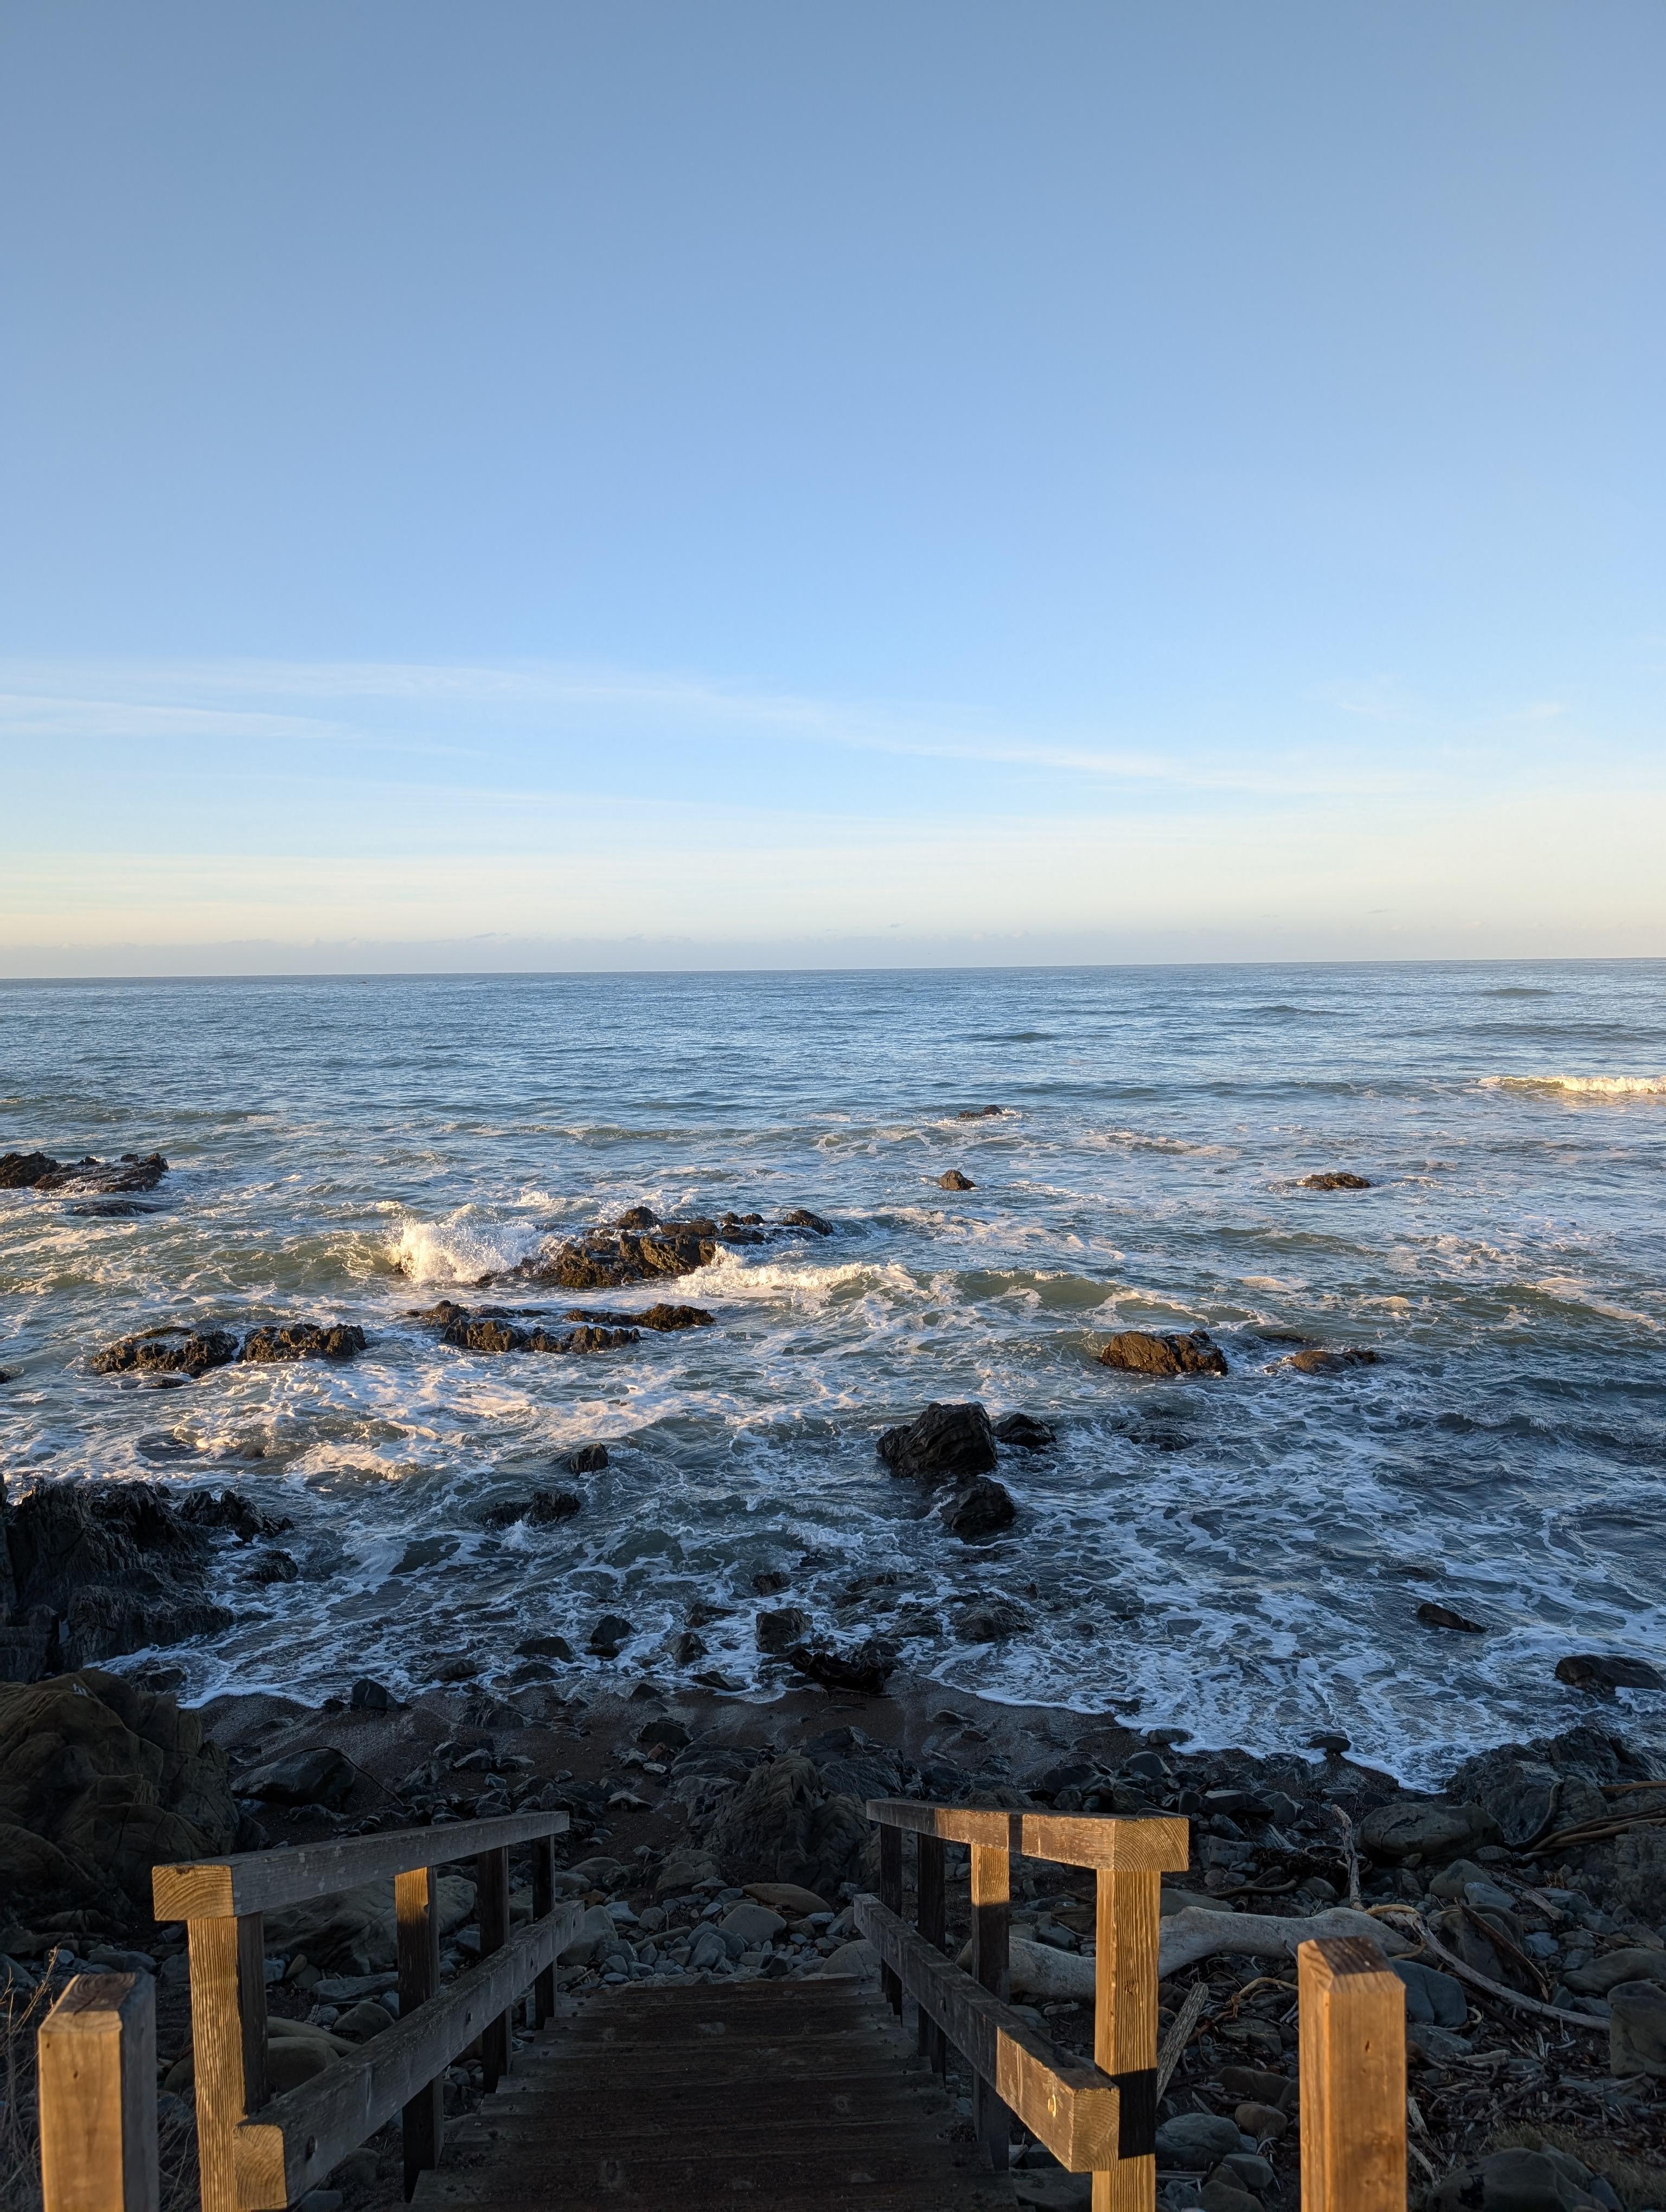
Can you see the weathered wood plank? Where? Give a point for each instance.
(251, 2007)
(931, 1904)
(260, 1881)
(216, 2039)
(1070, 2108)
(417, 1926)
(543, 1901)
(491, 1880)
(1128, 1911)
(992, 1922)
(97, 2058)
(1352, 2047)
(302, 2134)
(1154, 1843)
(891, 1895)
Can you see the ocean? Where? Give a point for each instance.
(1243, 1556)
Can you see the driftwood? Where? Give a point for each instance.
(1432, 1943)
(1038, 1970)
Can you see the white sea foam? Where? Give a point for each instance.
(1586, 1086)
(466, 1247)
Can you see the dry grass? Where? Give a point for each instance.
(1638, 2183)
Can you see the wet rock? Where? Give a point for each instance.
(769, 1580)
(1602, 1673)
(955, 1181)
(979, 1112)
(990, 1620)
(1331, 1741)
(668, 1318)
(37, 1171)
(1024, 1433)
(1139, 1353)
(782, 1824)
(228, 1510)
(611, 1632)
(1516, 2181)
(776, 1632)
(322, 1776)
(304, 1340)
(25, 1170)
(168, 1351)
(1637, 2030)
(686, 1647)
(544, 1647)
(1334, 1179)
(1408, 1826)
(272, 1567)
(369, 1695)
(638, 1217)
(946, 1444)
(1442, 1616)
(543, 1510)
(100, 1782)
(98, 1569)
(980, 1511)
(1321, 1359)
(588, 1459)
(866, 1668)
(801, 1217)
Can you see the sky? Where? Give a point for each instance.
(537, 484)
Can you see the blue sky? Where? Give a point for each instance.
(539, 485)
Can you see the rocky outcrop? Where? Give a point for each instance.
(543, 1510)
(100, 1782)
(178, 1350)
(865, 1669)
(665, 1319)
(955, 1181)
(489, 1329)
(639, 1247)
(1604, 1673)
(782, 1823)
(980, 1511)
(1321, 1359)
(946, 1443)
(1024, 1432)
(98, 1569)
(37, 1171)
(1139, 1354)
(304, 1340)
(1334, 1179)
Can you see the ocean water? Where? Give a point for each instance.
(1243, 1557)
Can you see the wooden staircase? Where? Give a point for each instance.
(800, 2093)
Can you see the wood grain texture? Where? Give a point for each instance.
(1353, 2057)
(992, 1916)
(931, 1896)
(216, 2037)
(491, 1877)
(1127, 1912)
(260, 1881)
(891, 1895)
(96, 2053)
(252, 2006)
(302, 2134)
(1069, 2106)
(417, 1927)
(1155, 1843)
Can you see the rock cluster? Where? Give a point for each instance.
(640, 1247)
(1334, 1179)
(174, 1350)
(1140, 1353)
(955, 1446)
(133, 1171)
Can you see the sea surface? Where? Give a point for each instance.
(1243, 1557)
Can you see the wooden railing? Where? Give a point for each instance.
(259, 2154)
(1102, 2118)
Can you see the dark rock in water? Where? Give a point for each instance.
(369, 1695)
(1331, 1741)
(545, 1647)
(168, 1351)
(686, 1647)
(588, 1459)
(1195, 1353)
(663, 1318)
(100, 1782)
(1602, 1674)
(36, 1171)
(1441, 1616)
(769, 1580)
(955, 1181)
(103, 1568)
(978, 1113)
(585, 1339)
(322, 1776)
(638, 1217)
(273, 1567)
(982, 1510)
(474, 1333)
(1024, 1432)
(1321, 1359)
(783, 1825)
(541, 1511)
(489, 1332)
(603, 1259)
(225, 1508)
(1433, 1832)
(776, 1632)
(1334, 1179)
(304, 1340)
(990, 1620)
(866, 1668)
(611, 1631)
(946, 1443)
(801, 1217)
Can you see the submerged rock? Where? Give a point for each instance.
(777, 1632)
(1141, 1354)
(1321, 1359)
(488, 1331)
(1024, 1432)
(1334, 1179)
(1604, 1674)
(541, 1511)
(978, 1113)
(982, 1510)
(955, 1181)
(663, 1318)
(801, 1217)
(946, 1443)
(588, 1459)
(990, 1620)
(1442, 1616)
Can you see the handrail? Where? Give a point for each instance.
(247, 2148)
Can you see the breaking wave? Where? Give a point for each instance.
(1587, 1086)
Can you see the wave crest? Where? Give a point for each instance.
(462, 1248)
(1589, 1086)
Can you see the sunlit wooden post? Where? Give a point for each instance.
(1125, 2029)
(1352, 2053)
(228, 2013)
(992, 1915)
(417, 1929)
(97, 2058)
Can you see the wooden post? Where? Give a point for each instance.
(215, 1947)
(544, 1903)
(417, 1934)
(492, 1913)
(1127, 1913)
(992, 1879)
(97, 2052)
(890, 1896)
(932, 1902)
(252, 2006)
(1352, 2051)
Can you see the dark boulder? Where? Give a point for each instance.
(580, 1340)
(272, 1567)
(322, 1776)
(489, 1331)
(604, 1259)
(662, 1318)
(990, 1620)
(369, 1695)
(638, 1217)
(1602, 1674)
(978, 1113)
(25, 1170)
(1139, 1353)
(980, 1511)
(866, 1668)
(1023, 1432)
(946, 1443)
(1422, 1827)
(782, 1823)
(226, 1510)
(1321, 1359)
(541, 1509)
(36, 1171)
(776, 1632)
(483, 1333)
(1334, 1179)
(588, 1459)
(611, 1632)
(955, 1181)
(801, 1217)
(545, 1647)
(304, 1340)
(1442, 1616)
(168, 1351)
